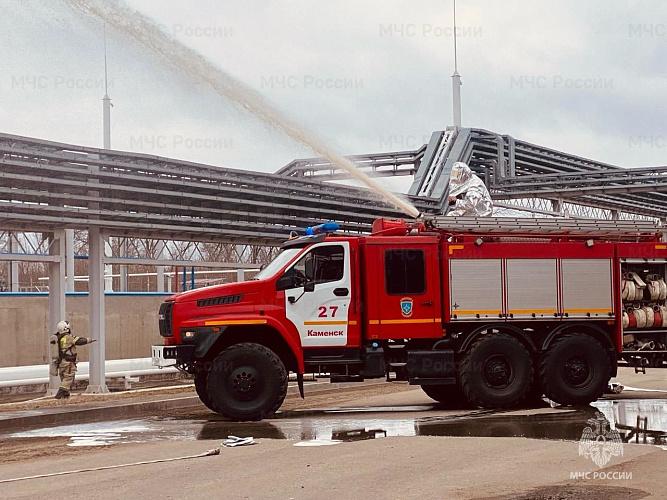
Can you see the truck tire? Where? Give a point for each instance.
(247, 382)
(496, 371)
(200, 387)
(449, 395)
(575, 370)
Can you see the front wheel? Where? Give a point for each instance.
(575, 370)
(200, 387)
(247, 382)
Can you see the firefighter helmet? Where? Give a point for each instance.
(63, 327)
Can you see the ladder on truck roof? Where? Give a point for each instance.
(546, 226)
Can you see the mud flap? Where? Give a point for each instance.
(299, 381)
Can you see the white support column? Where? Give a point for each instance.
(56, 295)
(123, 267)
(13, 266)
(69, 260)
(160, 269)
(97, 383)
(108, 268)
(240, 275)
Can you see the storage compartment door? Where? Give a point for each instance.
(476, 289)
(532, 288)
(587, 288)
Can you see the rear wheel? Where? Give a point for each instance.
(449, 395)
(200, 387)
(247, 382)
(575, 370)
(496, 372)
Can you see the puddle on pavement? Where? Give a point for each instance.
(637, 421)
(642, 421)
(115, 432)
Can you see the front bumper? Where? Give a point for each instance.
(170, 355)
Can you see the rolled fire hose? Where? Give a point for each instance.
(640, 317)
(650, 315)
(663, 289)
(632, 319)
(639, 285)
(653, 288)
(657, 317)
(628, 288)
(663, 314)
(215, 451)
(626, 320)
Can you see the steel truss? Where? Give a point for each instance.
(49, 184)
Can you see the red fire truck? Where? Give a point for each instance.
(492, 309)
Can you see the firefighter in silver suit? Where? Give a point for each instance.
(468, 195)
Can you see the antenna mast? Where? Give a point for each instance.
(456, 80)
(106, 101)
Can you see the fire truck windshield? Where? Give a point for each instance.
(278, 263)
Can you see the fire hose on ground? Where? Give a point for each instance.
(209, 453)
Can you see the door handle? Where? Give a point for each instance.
(427, 303)
(341, 292)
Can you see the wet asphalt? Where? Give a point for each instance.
(642, 421)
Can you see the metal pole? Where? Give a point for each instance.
(13, 266)
(192, 278)
(97, 382)
(185, 278)
(108, 268)
(106, 111)
(56, 295)
(69, 261)
(123, 267)
(456, 80)
(240, 275)
(106, 100)
(160, 269)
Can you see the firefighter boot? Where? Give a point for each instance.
(62, 394)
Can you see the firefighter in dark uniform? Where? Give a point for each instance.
(64, 344)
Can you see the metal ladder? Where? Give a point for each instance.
(545, 226)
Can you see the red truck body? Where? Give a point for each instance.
(492, 318)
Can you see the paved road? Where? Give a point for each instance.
(428, 453)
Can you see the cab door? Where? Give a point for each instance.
(320, 305)
(407, 292)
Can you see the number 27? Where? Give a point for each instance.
(323, 311)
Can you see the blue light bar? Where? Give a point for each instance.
(327, 227)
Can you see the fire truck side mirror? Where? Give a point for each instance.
(284, 282)
(309, 286)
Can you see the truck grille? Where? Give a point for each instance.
(165, 319)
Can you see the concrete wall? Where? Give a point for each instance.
(131, 326)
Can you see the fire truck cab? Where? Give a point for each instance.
(485, 310)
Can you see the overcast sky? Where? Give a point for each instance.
(366, 76)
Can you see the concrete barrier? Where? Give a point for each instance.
(131, 326)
